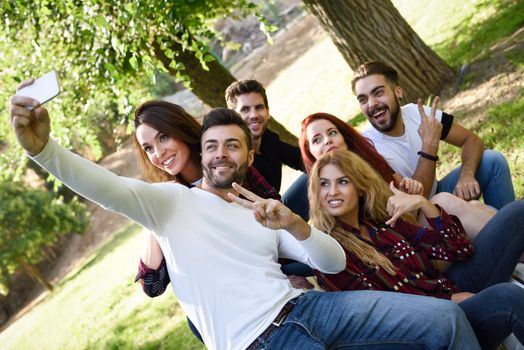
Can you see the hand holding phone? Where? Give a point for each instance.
(43, 89)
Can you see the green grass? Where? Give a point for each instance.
(99, 307)
(462, 31)
(500, 129)
(478, 32)
(517, 58)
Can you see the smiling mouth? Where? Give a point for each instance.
(335, 203)
(167, 163)
(222, 166)
(378, 114)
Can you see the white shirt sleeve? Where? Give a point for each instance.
(144, 203)
(320, 251)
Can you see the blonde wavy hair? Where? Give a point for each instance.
(374, 193)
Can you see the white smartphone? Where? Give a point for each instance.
(43, 89)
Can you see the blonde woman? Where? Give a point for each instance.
(387, 250)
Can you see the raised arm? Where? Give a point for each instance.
(144, 203)
(430, 130)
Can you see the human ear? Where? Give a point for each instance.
(250, 157)
(398, 92)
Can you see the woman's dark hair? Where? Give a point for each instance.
(175, 122)
(355, 142)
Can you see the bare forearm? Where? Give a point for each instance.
(429, 210)
(471, 153)
(152, 253)
(299, 229)
(425, 174)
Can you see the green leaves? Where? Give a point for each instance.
(32, 220)
(105, 54)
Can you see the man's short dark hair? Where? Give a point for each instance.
(242, 87)
(225, 116)
(375, 67)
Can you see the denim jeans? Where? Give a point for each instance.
(493, 177)
(498, 247)
(498, 308)
(495, 313)
(295, 197)
(372, 320)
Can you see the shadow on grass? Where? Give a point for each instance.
(118, 239)
(475, 39)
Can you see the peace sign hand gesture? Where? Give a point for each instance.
(430, 128)
(271, 213)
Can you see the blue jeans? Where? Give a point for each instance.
(493, 177)
(372, 320)
(498, 247)
(295, 197)
(498, 308)
(495, 313)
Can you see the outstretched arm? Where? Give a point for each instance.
(144, 203)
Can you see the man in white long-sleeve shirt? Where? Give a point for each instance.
(224, 263)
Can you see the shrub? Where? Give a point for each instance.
(32, 219)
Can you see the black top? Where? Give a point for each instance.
(274, 153)
(447, 121)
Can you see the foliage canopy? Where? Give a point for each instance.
(105, 54)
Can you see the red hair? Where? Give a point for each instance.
(354, 141)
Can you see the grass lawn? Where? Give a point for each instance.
(99, 307)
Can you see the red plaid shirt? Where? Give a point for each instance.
(411, 249)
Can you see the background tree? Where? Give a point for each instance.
(365, 30)
(104, 52)
(32, 220)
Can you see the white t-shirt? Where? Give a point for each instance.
(401, 152)
(222, 263)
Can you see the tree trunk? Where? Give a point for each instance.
(35, 274)
(374, 30)
(210, 86)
